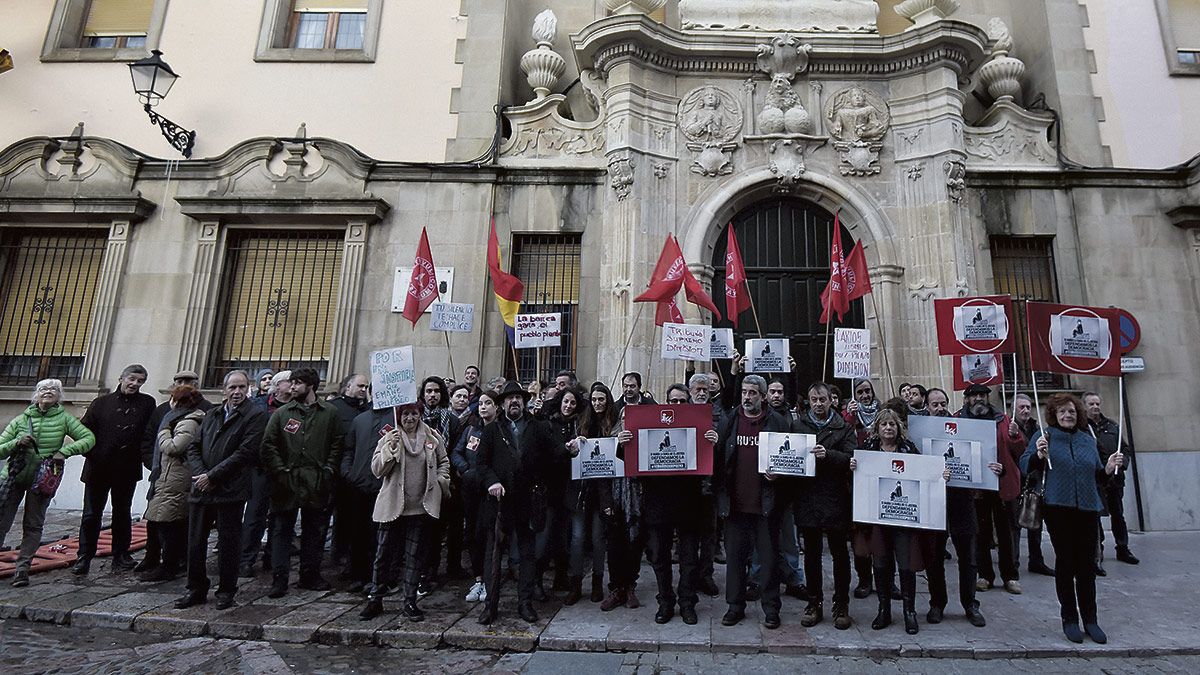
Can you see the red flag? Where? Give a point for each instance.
(667, 277)
(835, 297)
(422, 287)
(975, 325)
(696, 295)
(856, 269)
(667, 312)
(977, 369)
(737, 295)
(1074, 339)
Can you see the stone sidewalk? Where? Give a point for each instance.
(1148, 610)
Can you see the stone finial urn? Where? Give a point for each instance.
(925, 12)
(542, 65)
(1002, 74)
(634, 6)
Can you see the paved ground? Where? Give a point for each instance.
(1148, 611)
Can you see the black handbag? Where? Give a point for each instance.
(1029, 504)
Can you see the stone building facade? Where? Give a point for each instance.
(967, 145)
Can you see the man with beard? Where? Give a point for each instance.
(515, 452)
(860, 415)
(631, 391)
(996, 512)
(961, 526)
(1112, 491)
(789, 548)
(436, 413)
(916, 400)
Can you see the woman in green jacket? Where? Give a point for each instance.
(38, 434)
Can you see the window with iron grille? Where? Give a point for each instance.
(278, 299)
(1023, 267)
(548, 265)
(49, 281)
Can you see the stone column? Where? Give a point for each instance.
(198, 324)
(345, 320)
(105, 302)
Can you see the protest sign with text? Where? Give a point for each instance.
(978, 325)
(967, 445)
(686, 342)
(1073, 339)
(786, 454)
(393, 377)
(769, 355)
(452, 317)
(668, 440)
(899, 489)
(597, 458)
(852, 353)
(982, 369)
(538, 330)
(721, 344)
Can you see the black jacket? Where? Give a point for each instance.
(350, 408)
(725, 459)
(119, 422)
(824, 500)
(645, 399)
(1106, 432)
(226, 451)
(364, 433)
(520, 465)
(465, 461)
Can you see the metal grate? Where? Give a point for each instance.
(1023, 267)
(548, 265)
(277, 303)
(46, 296)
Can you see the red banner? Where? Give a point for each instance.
(835, 299)
(985, 369)
(667, 277)
(1074, 339)
(675, 440)
(737, 295)
(422, 287)
(978, 325)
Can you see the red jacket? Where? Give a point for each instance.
(1008, 452)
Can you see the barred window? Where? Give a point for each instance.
(1023, 267)
(278, 298)
(548, 265)
(49, 282)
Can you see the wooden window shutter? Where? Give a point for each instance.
(118, 17)
(1185, 23)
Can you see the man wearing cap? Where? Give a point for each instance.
(996, 511)
(515, 452)
(150, 450)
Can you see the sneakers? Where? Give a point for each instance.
(476, 594)
(982, 584)
(20, 579)
(1013, 586)
(841, 616)
(813, 614)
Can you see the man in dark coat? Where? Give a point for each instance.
(258, 518)
(823, 504)
(1112, 491)
(746, 500)
(220, 462)
(114, 466)
(350, 402)
(436, 412)
(515, 452)
(361, 487)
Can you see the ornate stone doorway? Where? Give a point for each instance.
(785, 247)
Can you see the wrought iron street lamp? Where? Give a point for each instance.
(152, 80)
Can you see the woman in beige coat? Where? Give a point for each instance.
(415, 469)
(168, 508)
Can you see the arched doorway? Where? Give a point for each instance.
(785, 248)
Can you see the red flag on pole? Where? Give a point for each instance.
(1074, 339)
(859, 283)
(835, 298)
(667, 312)
(737, 296)
(667, 277)
(696, 295)
(422, 287)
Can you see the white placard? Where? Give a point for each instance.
(538, 330)
(899, 490)
(393, 378)
(852, 353)
(979, 367)
(667, 449)
(787, 454)
(980, 322)
(1080, 336)
(967, 445)
(767, 355)
(686, 342)
(452, 317)
(445, 278)
(720, 345)
(597, 458)
(1132, 364)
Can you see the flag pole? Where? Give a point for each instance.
(1016, 389)
(754, 311)
(621, 363)
(825, 359)
(516, 364)
(450, 354)
(887, 367)
(1038, 409)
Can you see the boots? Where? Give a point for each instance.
(574, 591)
(908, 588)
(631, 598)
(597, 587)
(883, 584)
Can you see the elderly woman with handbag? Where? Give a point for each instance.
(1071, 508)
(33, 444)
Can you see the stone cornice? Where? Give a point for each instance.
(614, 39)
(273, 210)
(81, 209)
(1178, 177)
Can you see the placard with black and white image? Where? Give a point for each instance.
(966, 445)
(721, 346)
(900, 490)
(767, 355)
(597, 458)
(786, 454)
(667, 449)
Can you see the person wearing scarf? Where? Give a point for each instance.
(415, 470)
(860, 414)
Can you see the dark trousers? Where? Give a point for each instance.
(996, 516)
(403, 544)
(228, 520)
(95, 495)
(964, 552)
(449, 526)
(660, 538)
(153, 552)
(527, 561)
(746, 532)
(709, 537)
(839, 550)
(862, 567)
(171, 539)
(257, 517)
(339, 541)
(1073, 536)
(625, 547)
(1114, 502)
(359, 532)
(1034, 540)
(476, 535)
(314, 523)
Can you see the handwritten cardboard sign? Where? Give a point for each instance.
(393, 377)
(852, 353)
(686, 342)
(453, 317)
(538, 330)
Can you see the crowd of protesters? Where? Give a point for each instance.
(474, 473)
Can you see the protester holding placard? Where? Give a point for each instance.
(700, 389)
(552, 540)
(465, 461)
(822, 505)
(1072, 506)
(892, 546)
(860, 415)
(962, 531)
(585, 499)
(626, 535)
(997, 511)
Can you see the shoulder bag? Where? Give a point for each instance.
(1029, 504)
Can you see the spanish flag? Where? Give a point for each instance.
(509, 289)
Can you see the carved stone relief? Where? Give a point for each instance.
(786, 161)
(541, 132)
(858, 119)
(711, 118)
(956, 184)
(620, 171)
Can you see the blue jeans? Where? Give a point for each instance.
(587, 529)
(790, 572)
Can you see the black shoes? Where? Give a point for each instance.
(884, 618)
(597, 588)
(411, 612)
(733, 617)
(771, 621)
(841, 616)
(225, 600)
(910, 622)
(160, 573)
(574, 591)
(795, 591)
(813, 614)
(373, 609)
(192, 599)
(1094, 632)
(709, 587)
(246, 571)
(486, 616)
(82, 566)
(20, 579)
(123, 562)
(688, 614)
(975, 617)
(278, 589)
(314, 584)
(1125, 556)
(934, 615)
(664, 614)
(527, 613)
(862, 590)
(539, 591)
(148, 564)
(1071, 630)
(1041, 568)
(1100, 570)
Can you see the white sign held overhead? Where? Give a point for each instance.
(538, 330)
(721, 344)
(768, 355)
(851, 353)
(452, 317)
(393, 377)
(686, 342)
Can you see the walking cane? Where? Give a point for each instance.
(493, 585)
